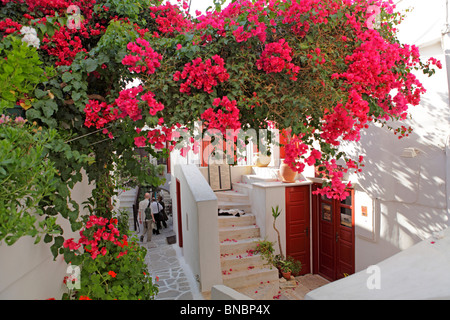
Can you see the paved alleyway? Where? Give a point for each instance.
(165, 261)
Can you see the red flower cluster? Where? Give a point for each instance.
(129, 104)
(154, 137)
(97, 233)
(337, 189)
(170, 19)
(224, 118)
(293, 150)
(65, 43)
(51, 7)
(276, 57)
(99, 114)
(143, 58)
(153, 105)
(8, 26)
(200, 74)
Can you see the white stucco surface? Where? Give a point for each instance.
(420, 272)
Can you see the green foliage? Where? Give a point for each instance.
(20, 71)
(27, 176)
(266, 249)
(288, 265)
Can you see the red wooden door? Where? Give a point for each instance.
(326, 238)
(297, 225)
(179, 217)
(334, 247)
(345, 234)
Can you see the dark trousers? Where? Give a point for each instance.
(158, 221)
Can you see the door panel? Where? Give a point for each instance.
(335, 248)
(297, 225)
(326, 239)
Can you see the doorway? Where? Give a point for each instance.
(334, 236)
(297, 225)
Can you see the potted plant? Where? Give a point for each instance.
(285, 269)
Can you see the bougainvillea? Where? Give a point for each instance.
(202, 75)
(142, 58)
(315, 67)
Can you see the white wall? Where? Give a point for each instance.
(407, 198)
(200, 227)
(27, 271)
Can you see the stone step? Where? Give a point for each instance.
(245, 278)
(263, 291)
(232, 196)
(242, 262)
(130, 197)
(132, 191)
(236, 247)
(245, 206)
(246, 219)
(238, 233)
(241, 187)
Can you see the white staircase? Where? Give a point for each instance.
(126, 201)
(243, 269)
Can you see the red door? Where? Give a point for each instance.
(334, 241)
(297, 225)
(326, 238)
(179, 217)
(345, 264)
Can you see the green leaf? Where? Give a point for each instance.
(67, 77)
(90, 64)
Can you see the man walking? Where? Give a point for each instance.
(142, 222)
(156, 208)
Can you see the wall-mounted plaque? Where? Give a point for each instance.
(219, 177)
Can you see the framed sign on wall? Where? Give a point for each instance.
(219, 176)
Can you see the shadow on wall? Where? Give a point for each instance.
(410, 191)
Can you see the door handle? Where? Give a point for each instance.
(307, 231)
(337, 236)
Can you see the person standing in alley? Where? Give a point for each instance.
(156, 208)
(145, 224)
(163, 214)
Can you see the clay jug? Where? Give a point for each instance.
(286, 173)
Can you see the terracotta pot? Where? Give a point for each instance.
(286, 173)
(286, 275)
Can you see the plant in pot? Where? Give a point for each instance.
(287, 266)
(285, 269)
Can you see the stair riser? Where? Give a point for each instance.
(264, 291)
(241, 264)
(242, 188)
(228, 222)
(243, 206)
(239, 234)
(250, 279)
(232, 198)
(236, 247)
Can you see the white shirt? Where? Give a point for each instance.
(155, 207)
